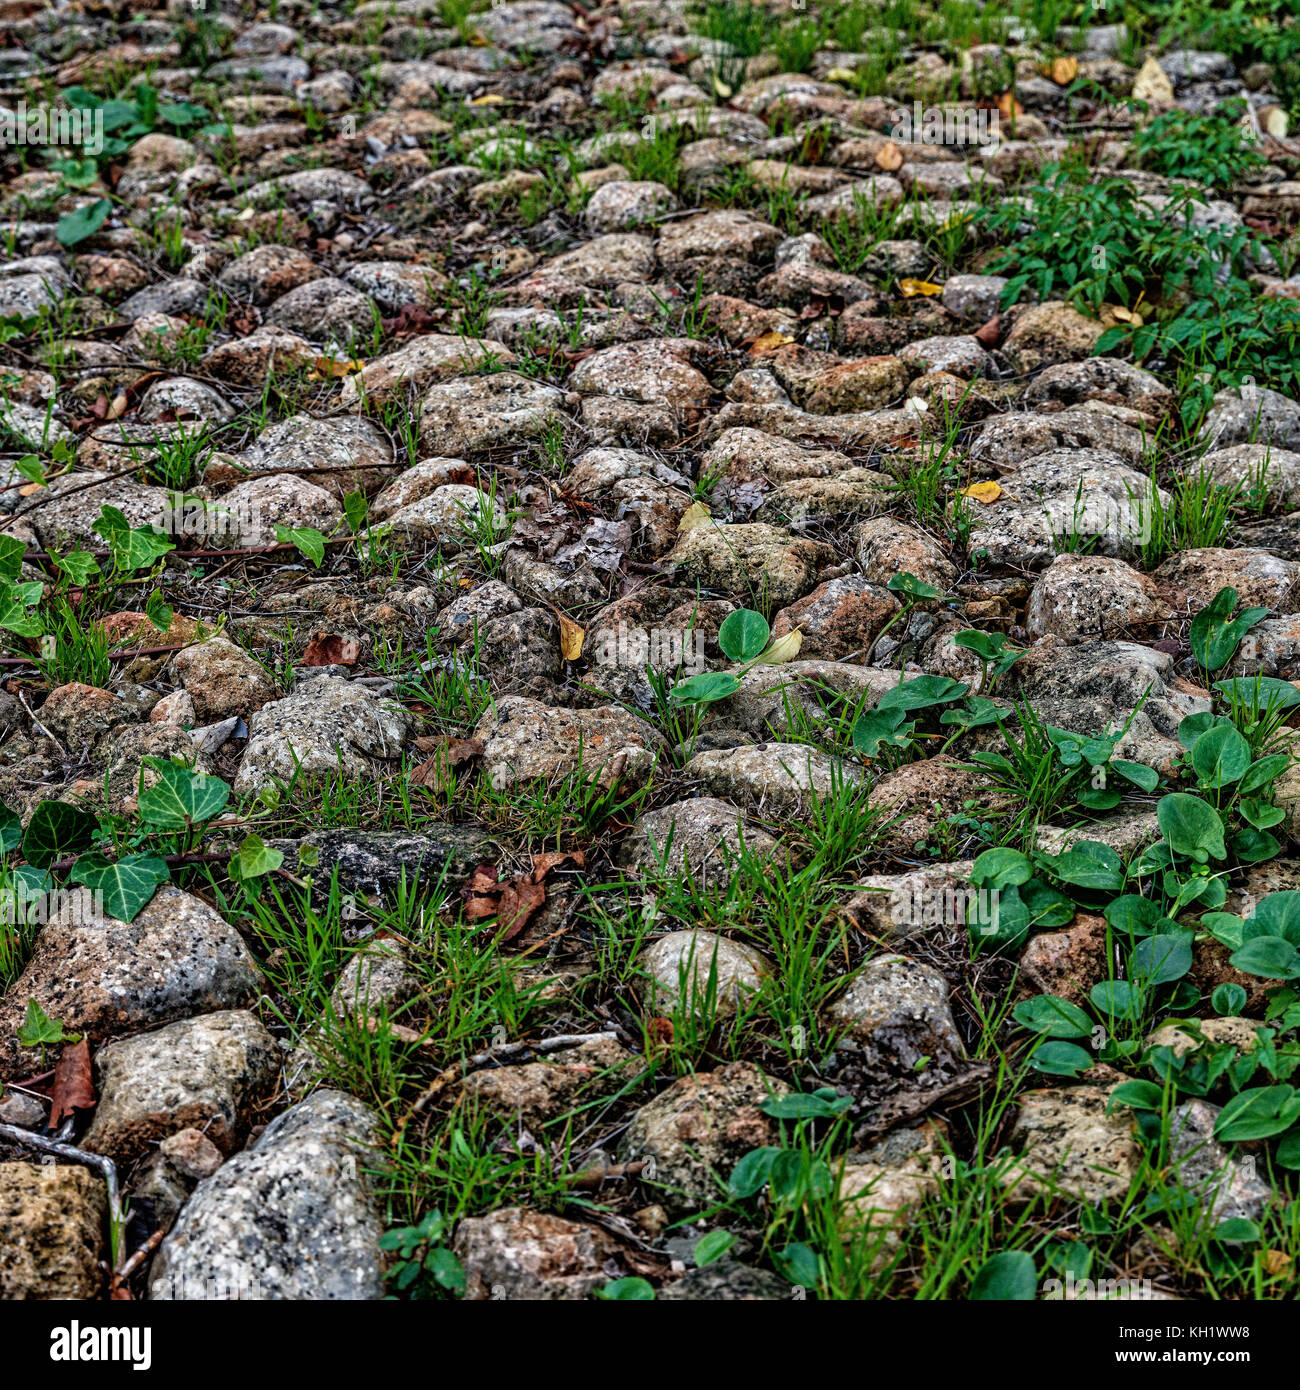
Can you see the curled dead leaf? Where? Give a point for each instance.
(447, 754)
(912, 288)
(329, 649)
(73, 1088)
(571, 638)
(697, 514)
(768, 342)
(783, 649)
(1152, 84)
(326, 367)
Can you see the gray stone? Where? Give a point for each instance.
(293, 1217)
(205, 1073)
(324, 726)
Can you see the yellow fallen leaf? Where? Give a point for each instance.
(118, 407)
(983, 492)
(783, 649)
(331, 367)
(841, 75)
(889, 157)
(1111, 314)
(1276, 1262)
(911, 288)
(768, 342)
(1152, 84)
(490, 99)
(697, 514)
(1063, 71)
(720, 87)
(571, 638)
(1274, 121)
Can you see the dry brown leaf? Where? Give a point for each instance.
(1008, 106)
(72, 1088)
(889, 157)
(990, 334)
(544, 864)
(449, 753)
(911, 288)
(1276, 1262)
(571, 638)
(329, 649)
(520, 903)
(697, 514)
(118, 407)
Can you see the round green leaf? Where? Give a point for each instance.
(1228, 1000)
(1053, 1016)
(743, 634)
(1008, 1277)
(705, 688)
(1160, 960)
(631, 1290)
(1274, 957)
(1191, 826)
(1221, 756)
(1061, 1059)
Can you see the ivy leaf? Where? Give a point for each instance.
(79, 565)
(12, 551)
(127, 884)
(255, 858)
(181, 798)
(57, 830)
(11, 829)
(16, 601)
(38, 1029)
